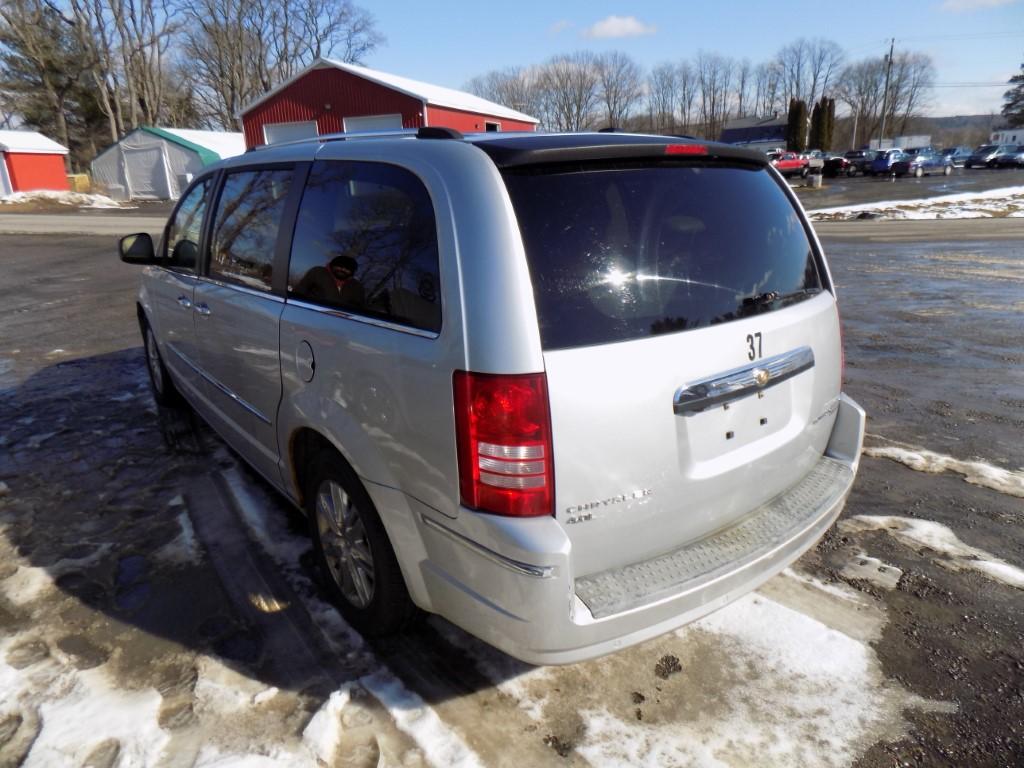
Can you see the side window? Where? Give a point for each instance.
(366, 243)
(246, 225)
(186, 227)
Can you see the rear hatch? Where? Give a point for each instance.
(662, 284)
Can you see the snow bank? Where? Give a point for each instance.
(925, 534)
(1007, 201)
(974, 472)
(78, 199)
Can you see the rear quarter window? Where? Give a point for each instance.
(619, 252)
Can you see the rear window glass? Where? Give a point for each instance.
(624, 252)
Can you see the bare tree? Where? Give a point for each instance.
(714, 77)
(861, 87)
(621, 86)
(768, 89)
(913, 75)
(570, 87)
(744, 83)
(236, 50)
(515, 87)
(686, 94)
(661, 98)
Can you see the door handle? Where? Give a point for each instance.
(202, 309)
(185, 301)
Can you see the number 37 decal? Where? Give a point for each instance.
(754, 346)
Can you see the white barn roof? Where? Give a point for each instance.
(223, 143)
(29, 142)
(435, 95)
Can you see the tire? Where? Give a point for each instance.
(918, 172)
(804, 171)
(160, 382)
(851, 173)
(353, 554)
(946, 171)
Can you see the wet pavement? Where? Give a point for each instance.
(156, 604)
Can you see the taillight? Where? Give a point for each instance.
(503, 436)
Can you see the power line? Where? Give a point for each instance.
(970, 85)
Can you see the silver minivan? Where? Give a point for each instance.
(569, 391)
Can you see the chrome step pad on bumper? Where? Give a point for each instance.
(760, 532)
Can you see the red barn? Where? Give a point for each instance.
(331, 96)
(28, 161)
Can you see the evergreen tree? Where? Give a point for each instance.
(829, 123)
(796, 126)
(1013, 107)
(817, 135)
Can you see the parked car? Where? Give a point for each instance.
(861, 159)
(985, 155)
(815, 160)
(922, 163)
(510, 378)
(789, 163)
(958, 155)
(884, 160)
(1013, 159)
(839, 165)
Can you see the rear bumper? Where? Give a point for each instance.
(510, 582)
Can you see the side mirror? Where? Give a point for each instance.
(137, 249)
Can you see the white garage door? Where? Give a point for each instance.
(373, 123)
(275, 133)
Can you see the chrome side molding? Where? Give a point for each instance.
(732, 385)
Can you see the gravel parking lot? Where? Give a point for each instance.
(156, 606)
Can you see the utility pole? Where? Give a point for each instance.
(885, 93)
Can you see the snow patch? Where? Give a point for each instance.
(808, 695)
(322, 735)
(836, 590)
(439, 743)
(78, 710)
(78, 199)
(956, 555)
(871, 569)
(26, 585)
(1007, 201)
(183, 548)
(974, 472)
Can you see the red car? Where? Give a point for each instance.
(789, 163)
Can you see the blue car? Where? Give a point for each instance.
(921, 163)
(958, 155)
(883, 162)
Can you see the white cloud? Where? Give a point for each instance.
(956, 6)
(619, 26)
(559, 26)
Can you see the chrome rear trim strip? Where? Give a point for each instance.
(524, 569)
(740, 382)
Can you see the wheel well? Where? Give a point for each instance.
(140, 313)
(304, 446)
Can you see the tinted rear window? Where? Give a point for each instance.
(624, 252)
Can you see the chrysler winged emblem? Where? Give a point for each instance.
(761, 376)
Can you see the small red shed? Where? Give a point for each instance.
(331, 96)
(28, 161)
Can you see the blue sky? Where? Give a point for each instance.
(447, 42)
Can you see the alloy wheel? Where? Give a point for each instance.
(345, 545)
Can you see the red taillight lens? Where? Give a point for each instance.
(686, 149)
(503, 435)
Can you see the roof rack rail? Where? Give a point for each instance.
(438, 132)
(431, 132)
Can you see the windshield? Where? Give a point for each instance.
(625, 251)
(986, 148)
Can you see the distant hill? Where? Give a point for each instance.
(958, 129)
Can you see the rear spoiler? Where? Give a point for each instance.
(588, 147)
